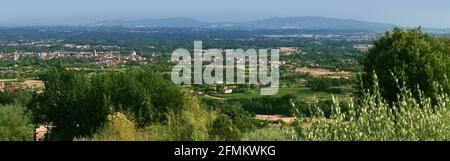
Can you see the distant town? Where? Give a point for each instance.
(102, 58)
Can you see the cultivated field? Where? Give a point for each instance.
(317, 72)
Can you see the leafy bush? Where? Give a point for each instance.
(224, 129)
(308, 108)
(270, 134)
(118, 128)
(330, 85)
(241, 118)
(374, 118)
(335, 90)
(191, 123)
(319, 84)
(266, 105)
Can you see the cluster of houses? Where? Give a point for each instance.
(104, 57)
(110, 58)
(12, 56)
(240, 60)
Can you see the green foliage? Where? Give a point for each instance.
(71, 104)
(308, 108)
(330, 85)
(241, 118)
(374, 118)
(319, 84)
(15, 124)
(67, 61)
(31, 61)
(156, 132)
(191, 123)
(36, 61)
(19, 97)
(267, 105)
(118, 128)
(141, 93)
(78, 104)
(413, 57)
(224, 129)
(270, 134)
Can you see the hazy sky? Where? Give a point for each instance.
(427, 13)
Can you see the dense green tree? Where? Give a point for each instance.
(19, 97)
(30, 60)
(242, 119)
(319, 84)
(410, 56)
(77, 104)
(142, 93)
(15, 124)
(266, 105)
(70, 104)
(224, 129)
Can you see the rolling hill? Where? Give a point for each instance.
(270, 23)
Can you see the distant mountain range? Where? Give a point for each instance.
(302, 23)
(170, 22)
(270, 23)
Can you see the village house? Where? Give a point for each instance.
(227, 90)
(39, 132)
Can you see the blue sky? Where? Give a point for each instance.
(430, 13)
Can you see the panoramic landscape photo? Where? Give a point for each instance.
(200, 70)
